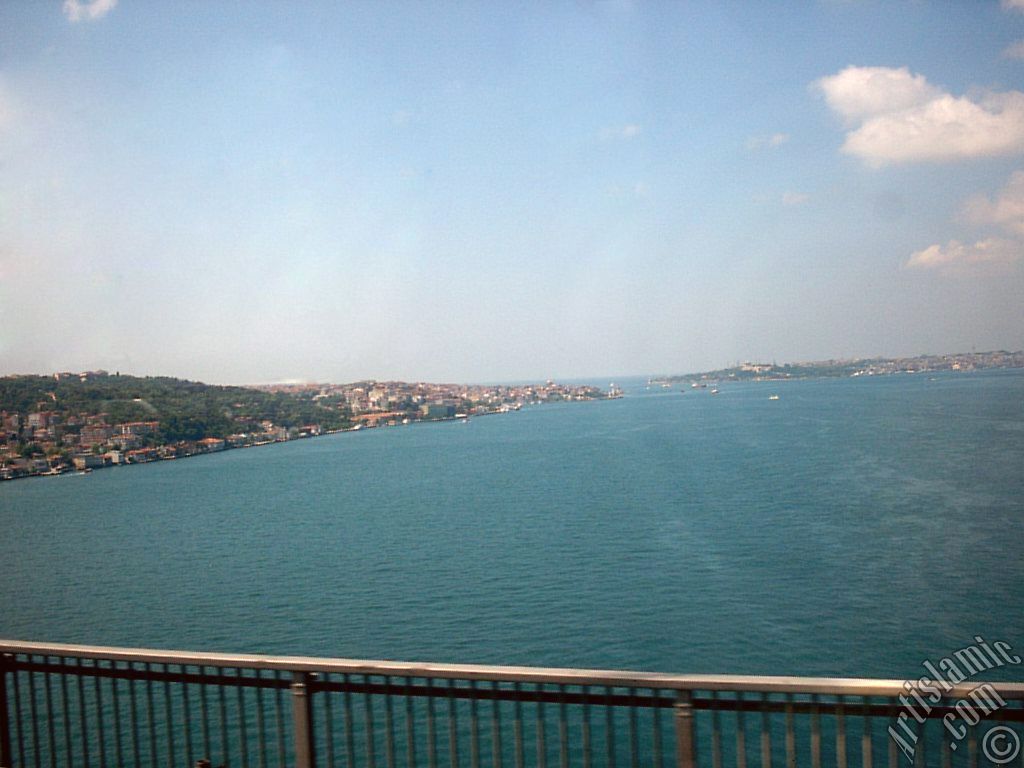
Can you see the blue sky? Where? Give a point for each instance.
(254, 191)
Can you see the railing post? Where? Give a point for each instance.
(6, 759)
(302, 720)
(686, 745)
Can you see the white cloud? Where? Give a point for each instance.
(793, 198)
(1006, 210)
(77, 10)
(767, 142)
(1013, 5)
(956, 255)
(627, 132)
(859, 93)
(1014, 50)
(896, 116)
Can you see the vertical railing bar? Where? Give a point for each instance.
(741, 733)
(686, 743)
(431, 730)
(866, 741)
(33, 710)
(517, 727)
(279, 719)
(389, 727)
(82, 722)
(204, 715)
(815, 732)
(790, 733)
(893, 760)
(634, 747)
(609, 723)
(169, 714)
(585, 727)
(371, 753)
(453, 739)
(350, 742)
(474, 728)
(18, 727)
(243, 731)
(133, 716)
(947, 753)
(115, 699)
(841, 732)
(919, 752)
(6, 758)
(186, 715)
(563, 730)
(51, 736)
(98, 696)
(302, 719)
(656, 730)
(222, 706)
(766, 734)
(65, 710)
(716, 734)
(150, 717)
(972, 747)
(261, 731)
(410, 726)
(496, 747)
(328, 722)
(542, 749)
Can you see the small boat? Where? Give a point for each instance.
(773, 397)
(714, 391)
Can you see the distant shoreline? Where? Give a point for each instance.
(878, 366)
(192, 452)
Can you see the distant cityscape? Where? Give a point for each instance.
(83, 421)
(875, 366)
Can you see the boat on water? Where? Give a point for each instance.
(714, 391)
(773, 397)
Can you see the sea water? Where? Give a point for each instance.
(852, 527)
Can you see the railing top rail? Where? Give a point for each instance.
(480, 672)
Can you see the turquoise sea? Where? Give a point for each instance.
(851, 527)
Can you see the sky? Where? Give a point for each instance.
(252, 192)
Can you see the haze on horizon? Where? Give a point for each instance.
(253, 192)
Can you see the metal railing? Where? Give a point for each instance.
(74, 705)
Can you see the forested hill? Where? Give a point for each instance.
(185, 410)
